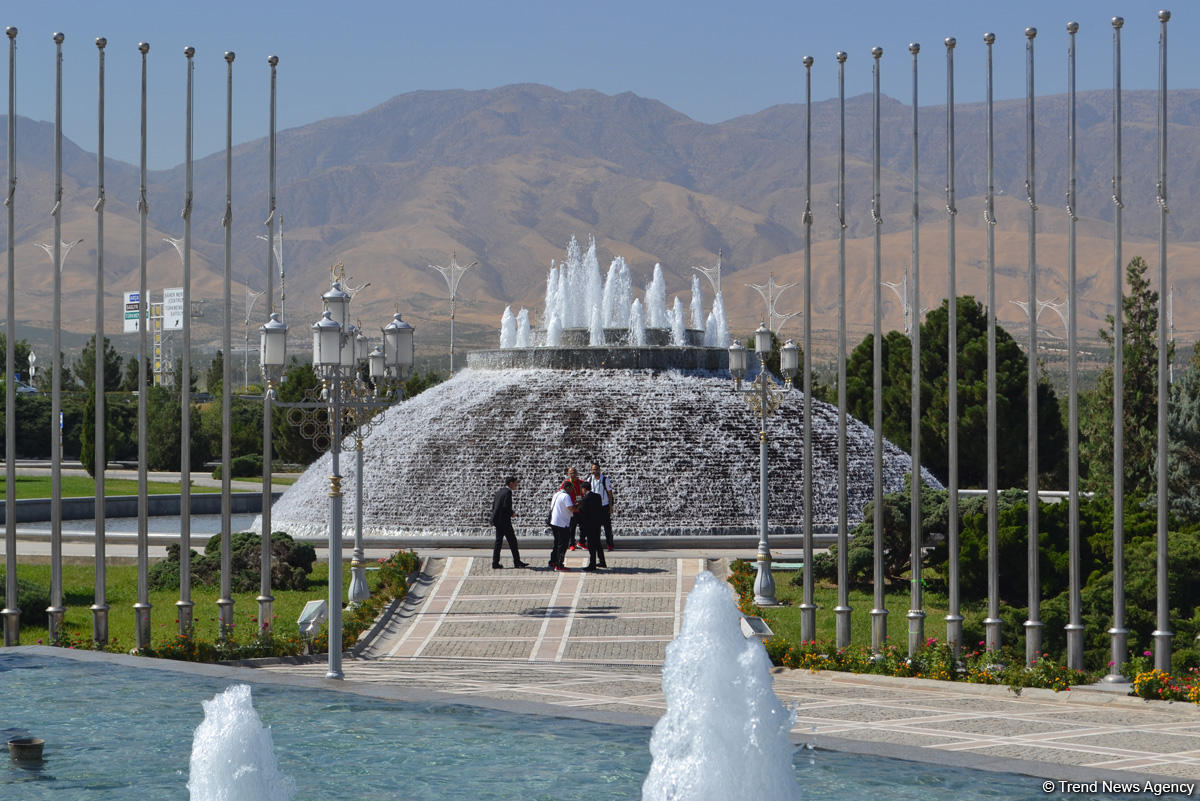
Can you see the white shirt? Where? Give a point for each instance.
(560, 513)
(601, 485)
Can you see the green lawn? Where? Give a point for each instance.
(785, 620)
(85, 486)
(121, 591)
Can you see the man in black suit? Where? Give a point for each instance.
(502, 515)
(590, 515)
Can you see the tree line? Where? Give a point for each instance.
(163, 413)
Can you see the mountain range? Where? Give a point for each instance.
(505, 177)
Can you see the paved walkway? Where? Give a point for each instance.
(591, 645)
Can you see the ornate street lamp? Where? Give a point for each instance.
(344, 400)
(764, 397)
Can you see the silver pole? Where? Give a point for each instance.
(764, 582)
(1074, 626)
(879, 612)
(142, 607)
(808, 609)
(56, 611)
(358, 572)
(954, 616)
(1162, 633)
(100, 605)
(335, 531)
(266, 601)
(11, 612)
(1118, 633)
(1033, 624)
(184, 608)
(842, 610)
(225, 602)
(992, 622)
(916, 612)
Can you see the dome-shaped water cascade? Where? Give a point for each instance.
(682, 451)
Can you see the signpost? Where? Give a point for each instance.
(173, 309)
(133, 308)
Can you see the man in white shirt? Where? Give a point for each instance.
(603, 487)
(562, 508)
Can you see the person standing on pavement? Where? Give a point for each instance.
(602, 486)
(562, 510)
(589, 527)
(502, 515)
(574, 485)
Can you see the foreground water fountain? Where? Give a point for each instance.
(613, 386)
(233, 757)
(725, 733)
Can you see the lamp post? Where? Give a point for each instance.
(453, 274)
(764, 398)
(344, 399)
(387, 364)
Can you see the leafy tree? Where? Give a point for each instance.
(290, 445)
(164, 421)
(129, 381)
(20, 356)
(177, 378)
(1140, 338)
(84, 368)
(418, 382)
(120, 427)
(1183, 446)
(215, 375)
(1011, 386)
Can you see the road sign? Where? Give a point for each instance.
(173, 309)
(133, 308)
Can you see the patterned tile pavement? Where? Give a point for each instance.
(592, 644)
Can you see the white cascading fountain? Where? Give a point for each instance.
(725, 733)
(233, 758)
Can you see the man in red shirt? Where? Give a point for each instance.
(574, 487)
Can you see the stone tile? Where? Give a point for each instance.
(606, 583)
(1138, 740)
(502, 606)
(590, 604)
(476, 649)
(1002, 726)
(859, 713)
(623, 627)
(1041, 753)
(913, 738)
(490, 628)
(615, 651)
(524, 586)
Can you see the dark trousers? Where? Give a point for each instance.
(574, 535)
(606, 523)
(561, 543)
(595, 552)
(504, 531)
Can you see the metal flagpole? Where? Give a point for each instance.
(225, 602)
(56, 611)
(1074, 625)
(1033, 623)
(842, 610)
(100, 604)
(1162, 633)
(142, 607)
(184, 608)
(808, 609)
(992, 622)
(1118, 633)
(11, 612)
(916, 612)
(265, 600)
(879, 611)
(954, 617)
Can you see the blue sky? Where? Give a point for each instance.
(706, 59)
